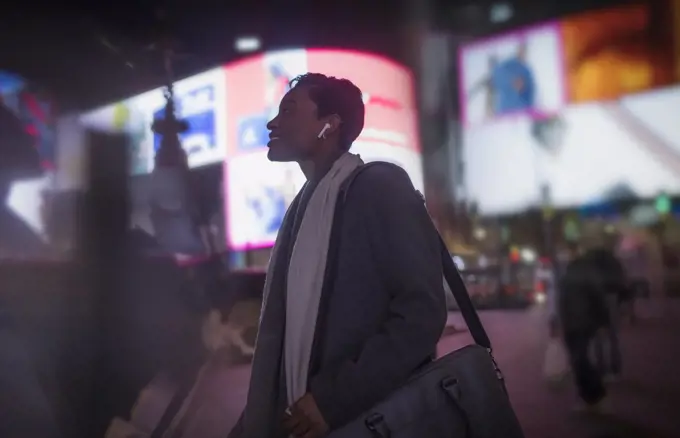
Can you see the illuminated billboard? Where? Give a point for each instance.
(258, 192)
(228, 108)
(572, 112)
(587, 154)
(594, 56)
(200, 101)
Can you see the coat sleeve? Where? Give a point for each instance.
(406, 250)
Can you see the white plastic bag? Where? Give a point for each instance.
(556, 364)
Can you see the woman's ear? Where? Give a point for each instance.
(334, 123)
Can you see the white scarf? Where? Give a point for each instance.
(306, 274)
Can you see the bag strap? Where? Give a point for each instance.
(451, 273)
(460, 294)
(182, 392)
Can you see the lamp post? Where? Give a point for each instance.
(176, 213)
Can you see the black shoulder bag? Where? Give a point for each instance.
(461, 394)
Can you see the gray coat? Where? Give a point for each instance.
(379, 320)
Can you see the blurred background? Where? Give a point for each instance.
(534, 129)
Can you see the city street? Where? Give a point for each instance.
(644, 403)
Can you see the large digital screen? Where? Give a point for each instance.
(589, 153)
(572, 112)
(258, 192)
(199, 100)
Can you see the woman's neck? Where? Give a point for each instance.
(316, 169)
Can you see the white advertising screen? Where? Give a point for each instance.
(200, 101)
(585, 154)
(259, 195)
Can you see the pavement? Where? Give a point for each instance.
(644, 403)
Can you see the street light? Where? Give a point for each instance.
(170, 153)
(175, 214)
(247, 44)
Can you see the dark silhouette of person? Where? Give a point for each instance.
(25, 409)
(152, 328)
(584, 313)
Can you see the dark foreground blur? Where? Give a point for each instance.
(59, 336)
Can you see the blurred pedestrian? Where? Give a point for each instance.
(25, 408)
(612, 279)
(583, 313)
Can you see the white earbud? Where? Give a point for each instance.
(326, 127)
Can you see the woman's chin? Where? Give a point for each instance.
(280, 153)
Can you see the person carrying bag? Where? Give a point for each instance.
(354, 303)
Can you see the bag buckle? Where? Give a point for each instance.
(450, 386)
(376, 424)
(448, 382)
(499, 373)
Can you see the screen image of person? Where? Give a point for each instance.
(515, 73)
(510, 85)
